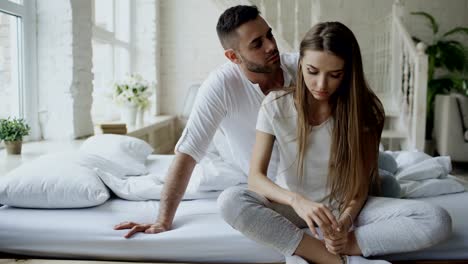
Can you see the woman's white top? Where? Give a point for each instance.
(278, 117)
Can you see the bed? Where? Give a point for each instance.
(199, 234)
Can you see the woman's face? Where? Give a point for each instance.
(323, 73)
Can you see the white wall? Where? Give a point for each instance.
(64, 72)
(190, 48)
(358, 14)
(449, 14)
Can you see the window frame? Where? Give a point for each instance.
(102, 35)
(27, 58)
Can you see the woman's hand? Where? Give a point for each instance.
(337, 242)
(312, 212)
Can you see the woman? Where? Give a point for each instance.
(327, 129)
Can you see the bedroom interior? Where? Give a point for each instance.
(89, 160)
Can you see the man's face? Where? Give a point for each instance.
(257, 48)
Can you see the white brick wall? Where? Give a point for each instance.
(359, 13)
(82, 85)
(190, 48)
(449, 14)
(64, 72)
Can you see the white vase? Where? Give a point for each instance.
(128, 115)
(140, 118)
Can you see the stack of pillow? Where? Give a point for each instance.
(69, 179)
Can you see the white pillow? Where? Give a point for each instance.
(54, 181)
(210, 174)
(159, 165)
(128, 152)
(146, 187)
(407, 159)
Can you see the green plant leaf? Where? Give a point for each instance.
(434, 25)
(456, 30)
(13, 129)
(444, 54)
(450, 55)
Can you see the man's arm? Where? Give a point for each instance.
(174, 188)
(176, 183)
(208, 112)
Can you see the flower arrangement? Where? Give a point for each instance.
(13, 129)
(133, 91)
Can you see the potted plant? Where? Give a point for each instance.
(447, 66)
(12, 131)
(132, 95)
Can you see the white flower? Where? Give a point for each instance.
(133, 90)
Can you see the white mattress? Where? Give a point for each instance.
(199, 234)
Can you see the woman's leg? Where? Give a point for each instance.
(387, 225)
(271, 224)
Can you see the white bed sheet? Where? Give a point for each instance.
(199, 235)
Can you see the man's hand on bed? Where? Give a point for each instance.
(143, 228)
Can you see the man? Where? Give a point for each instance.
(228, 101)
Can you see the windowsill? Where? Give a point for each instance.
(33, 149)
(151, 123)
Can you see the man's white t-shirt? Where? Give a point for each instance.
(228, 102)
(278, 117)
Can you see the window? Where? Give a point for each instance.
(17, 62)
(112, 53)
(10, 58)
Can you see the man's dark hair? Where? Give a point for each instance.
(231, 19)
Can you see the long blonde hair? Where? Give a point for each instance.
(357, 113)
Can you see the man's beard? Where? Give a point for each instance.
(259, 68)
